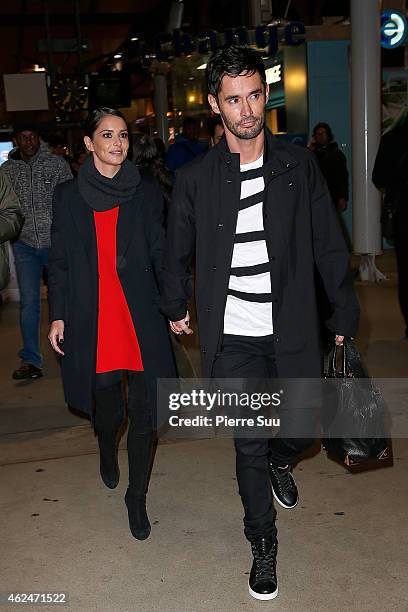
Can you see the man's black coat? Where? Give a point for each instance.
(301, 230)
(73, 285)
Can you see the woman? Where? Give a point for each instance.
(104, 273)
(333, 164)
(147, 158)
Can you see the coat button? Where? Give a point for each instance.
(220, 225)
(277, 339)
(272, 172)
(208, 309)
(203, 351)
(288, 165)
(273, 257)
(214, 268)
(229, 181)
(229, 162)
(290, 184)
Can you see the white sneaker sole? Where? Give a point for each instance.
(281, 504)
(262, 596)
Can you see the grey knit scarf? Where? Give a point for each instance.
(102, 193)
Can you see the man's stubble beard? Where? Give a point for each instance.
(245, 133)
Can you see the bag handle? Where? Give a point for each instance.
(351, 361)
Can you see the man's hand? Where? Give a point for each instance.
(182, 326)
(56, 334)
(339, 340)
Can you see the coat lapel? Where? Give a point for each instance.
(125, 231)
(84, 222)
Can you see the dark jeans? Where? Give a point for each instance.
(254, 358)
(30, 263)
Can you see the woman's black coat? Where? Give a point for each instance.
(73, 285)
(302, 230)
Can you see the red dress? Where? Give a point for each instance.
(118, 347)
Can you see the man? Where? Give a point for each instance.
(332, 163)
(258, 214)
(390, 173)
(33, 173)
(186, 146)
(11, 220)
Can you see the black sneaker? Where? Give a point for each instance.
(283, 485)
(26, 371)
(263, 583)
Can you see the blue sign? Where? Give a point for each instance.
(394, 29)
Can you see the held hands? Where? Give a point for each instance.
(339, 340)
(182, 326)
(56, 335)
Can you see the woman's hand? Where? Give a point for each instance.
(56, 334)
(182, 326)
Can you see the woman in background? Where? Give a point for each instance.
(150, 161)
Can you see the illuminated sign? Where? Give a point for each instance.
(265, 37)
(394, 29)
(274, 74)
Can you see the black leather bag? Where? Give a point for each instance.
(354, 417)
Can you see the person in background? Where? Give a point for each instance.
(161, 148)
(390, 173)
(11, 221)
(79, 158)
(216, 130)
(147, 158)
(332, 163)
(34, 174)
(186, 147)
(104, 278)
(57, 146)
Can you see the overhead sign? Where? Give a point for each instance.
(265, 37)
(394, 29)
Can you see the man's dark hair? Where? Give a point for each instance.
(326, 127)
(25, 127)
(95, 117)
(233, 61)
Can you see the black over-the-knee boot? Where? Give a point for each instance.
(141, 445)
(108, 420)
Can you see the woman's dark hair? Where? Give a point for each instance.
(147, 158)
(233, 61)
(212, 124)
(326, 127)
(95, 117)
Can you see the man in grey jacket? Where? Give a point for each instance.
(33, 173)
